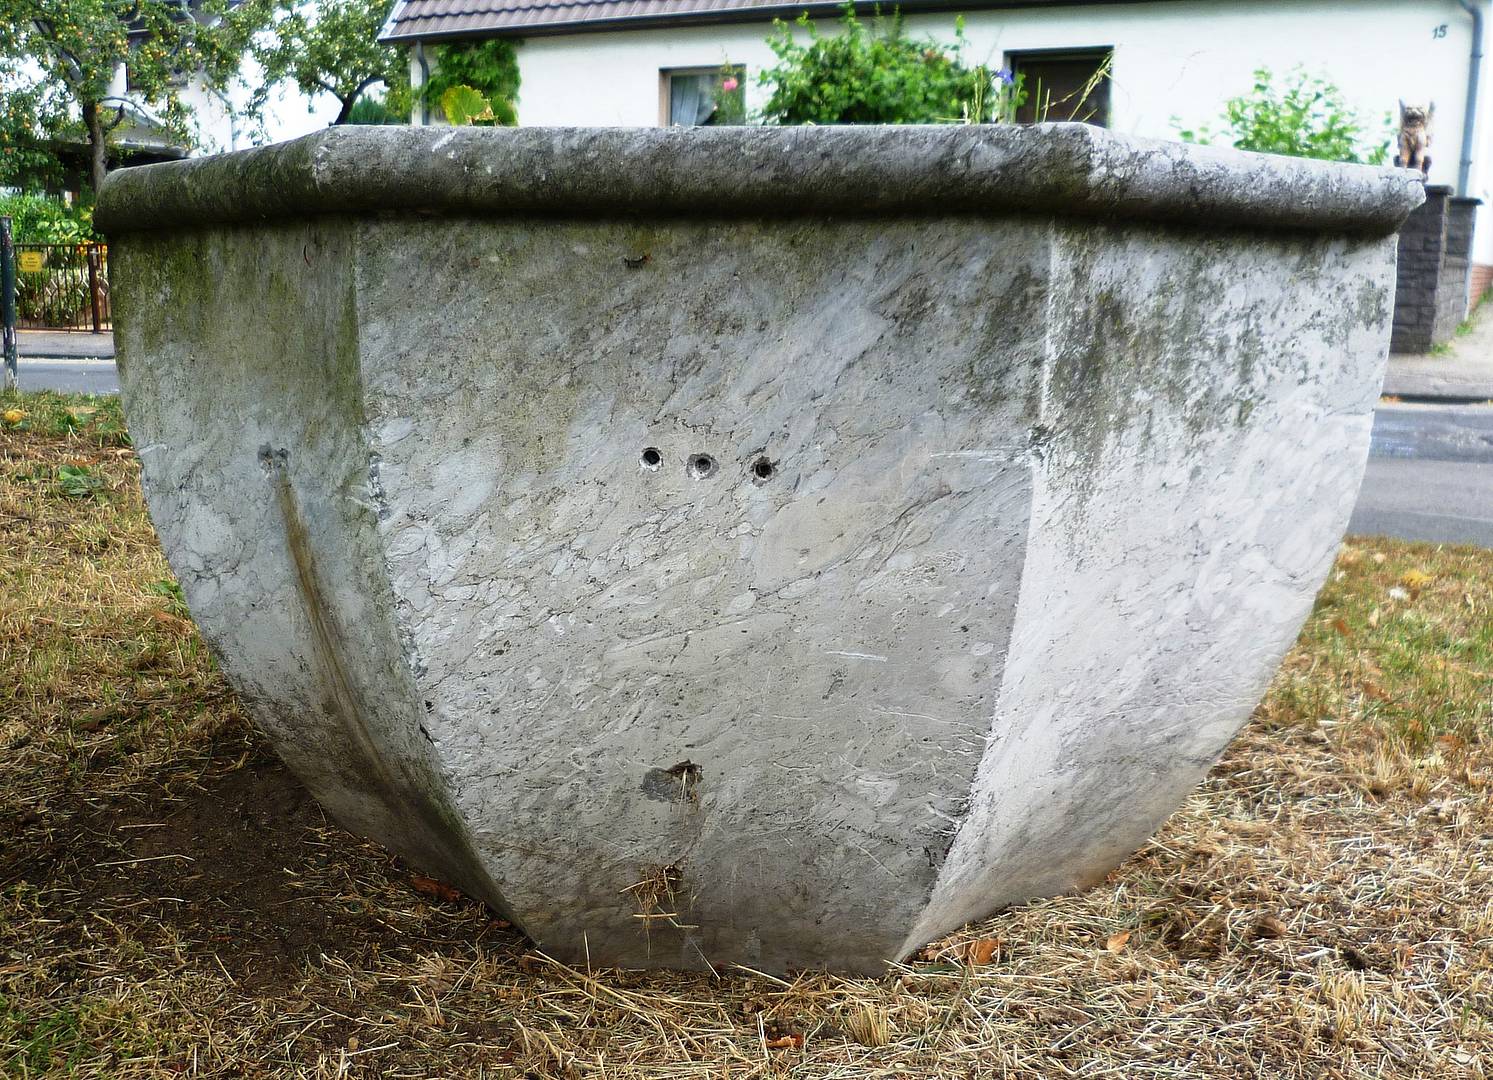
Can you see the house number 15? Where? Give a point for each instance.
(1439, 32)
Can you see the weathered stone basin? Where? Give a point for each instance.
(762, 546)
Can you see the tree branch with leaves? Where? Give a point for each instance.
(32, 115)
(331, 47)
(81, 46)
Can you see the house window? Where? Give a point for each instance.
(1063, 84)
(696, 97)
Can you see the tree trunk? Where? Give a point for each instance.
(352, 99)
(98, 149)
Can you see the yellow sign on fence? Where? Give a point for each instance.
(31, 261)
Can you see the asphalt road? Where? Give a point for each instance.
(74, 376)
(1430, 474)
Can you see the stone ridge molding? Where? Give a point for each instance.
(759, 171)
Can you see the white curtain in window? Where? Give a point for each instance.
(691, 99)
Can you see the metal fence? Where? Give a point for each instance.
(7, 304)
(63, 287)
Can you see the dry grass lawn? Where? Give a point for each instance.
(172, 904)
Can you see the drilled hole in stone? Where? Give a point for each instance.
(651, 457)
(701, 465)
(763, 469)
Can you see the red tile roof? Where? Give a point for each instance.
(423, 19)
(459, 18)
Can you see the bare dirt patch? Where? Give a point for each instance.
(222, 866)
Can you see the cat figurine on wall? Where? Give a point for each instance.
(1415, 137)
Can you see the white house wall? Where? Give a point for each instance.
(1174, 63)
(287, 114)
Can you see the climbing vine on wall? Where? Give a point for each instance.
(489, 67)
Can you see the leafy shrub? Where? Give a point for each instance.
(880, 76)
(40, 219)
(1307, 117)
(58, 295)
(730, 97)
(368, 110)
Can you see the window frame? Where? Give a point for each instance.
(665, 75)
(1100, 53)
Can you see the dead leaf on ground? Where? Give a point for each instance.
(170, 621)
(786, 1042)
(983, 950)
(438, 889)
(1271, 926)
(1117, 942)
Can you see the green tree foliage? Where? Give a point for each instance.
(878, 75)
(81, 45)
(29, 117)
(331, 47)
(1306, 117)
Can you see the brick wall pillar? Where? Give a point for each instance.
(1422, 252)
(1435, 267)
